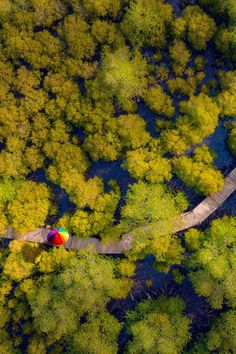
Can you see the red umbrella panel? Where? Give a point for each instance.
(58, 236)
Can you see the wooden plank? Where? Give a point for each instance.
(232, 175)
(187, 220)
(227, 190)
(205, 206)
(190, 220)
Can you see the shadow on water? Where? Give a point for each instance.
(179, 5)
(197, 309)
(60, 197)
(176, 185)
(149, 117)
(79, 132)
(2, 146)
(218, 141)
(112, 170)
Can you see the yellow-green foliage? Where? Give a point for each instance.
(132, 132)
(148, 164)
(222, 334)
(227, 98)
(179, 28)
(46, 12)
(225, 9)
(220, 338)
(101, 8)
(30, 207)
(72, 74)
(107, 34)
(199, 172)
(123, 75)
(146, 21)
(179, 86)
(100, 211)
(158, 326)
(127, 268)
(199, 63)
(150, 214)
(117, 135)
(212, 269)
(159, 102)
(20, 262)
(200, 27)
(34, 307)
(193, 239)
(76, 33)
(5, 8)
(98, 335)
(178, 276)
(3, 221)
(232, 140)
(179, 55)
(199, 119)
(225, 38)
(226, 42)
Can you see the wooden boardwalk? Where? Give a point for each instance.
(189, 219)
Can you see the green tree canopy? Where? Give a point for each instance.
(99, 216)
(220, 338)
(123, 75)
(226, 99)
(232, 140)
(199, 172)
(58, 300)
(147, 163)
(101, 8)
(150, 215)
(200, 27)
(30, 207)
(158, 327)
(179, 55)
(98, 335)
(159, 102)
(75, 31)
(199, 119)
(146, 22)
(211, 262)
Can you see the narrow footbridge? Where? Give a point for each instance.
(187, 220)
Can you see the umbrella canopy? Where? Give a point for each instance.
(58, 236)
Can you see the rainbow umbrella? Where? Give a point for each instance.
(58, 236)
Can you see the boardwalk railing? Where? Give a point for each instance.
(187, 220)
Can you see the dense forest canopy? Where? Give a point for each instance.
(86, 65)
(142, 85)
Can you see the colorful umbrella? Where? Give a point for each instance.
(58, 236)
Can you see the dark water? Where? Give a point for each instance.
(228, 208)
(218, 141)
(179, 5)
(150, 119)
(60, 197)
(197, 309)
(79, 132)
(194, 199)
(112, 171)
